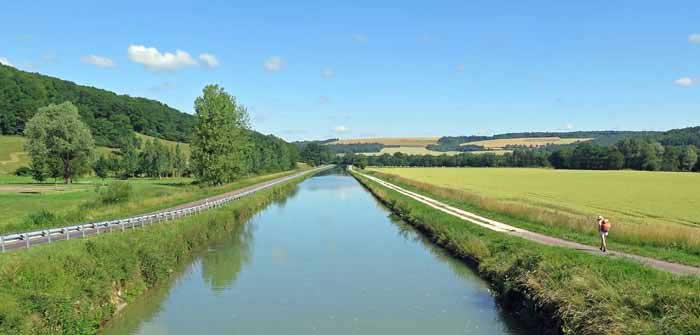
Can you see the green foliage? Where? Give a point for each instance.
(316, 154)
(112, 118)
(41, 218)
(102, 166)
(59, 143)
(115, 192)
(23, 172)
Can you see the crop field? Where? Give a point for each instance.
(528, 142)
(420, 142)
(424, 151)
(650, 211)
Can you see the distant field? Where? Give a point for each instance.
(184, 146)
(529, 142)
(420, 142)
(12, 154)
(649, 197)
(424, 151)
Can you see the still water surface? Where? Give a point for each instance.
(327, 260)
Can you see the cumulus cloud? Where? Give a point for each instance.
(5, 61)
(327, 73)
(154, 60)
(684, 82)
(340, 129)
(98, 61)
(209, 60)
(694, 38)
(359, 38)
(274, 64)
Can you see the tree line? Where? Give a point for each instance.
(224, 148)
(111, 118)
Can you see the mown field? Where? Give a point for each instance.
(650, 211)
(26, 203)
(420, 142)
(527, 142)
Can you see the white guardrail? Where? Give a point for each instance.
(64, 233)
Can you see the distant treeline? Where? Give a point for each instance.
(675, 150)
(112, 118)
(343, 148)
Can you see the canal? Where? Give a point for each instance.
(329, 259)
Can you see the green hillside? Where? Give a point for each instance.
(112, 118)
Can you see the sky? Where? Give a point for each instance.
(326, 69)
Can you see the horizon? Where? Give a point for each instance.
(317, 72)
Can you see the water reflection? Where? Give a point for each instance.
(222, 264)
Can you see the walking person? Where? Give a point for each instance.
(603, 229)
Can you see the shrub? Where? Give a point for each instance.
(23, 172)
(116, 192)
(42, 217)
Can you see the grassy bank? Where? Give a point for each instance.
(565, 203)
(71, 204)
(557, 289)
(75, 286)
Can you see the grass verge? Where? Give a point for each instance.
(74, 287)
(670, 242)
(559, 290)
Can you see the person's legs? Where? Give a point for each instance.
(603, 236)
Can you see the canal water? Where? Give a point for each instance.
(327, 260)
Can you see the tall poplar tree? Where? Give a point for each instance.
(219, 142)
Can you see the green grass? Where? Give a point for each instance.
(171, 144)
(12, 155)
(74, 287)
(425, 151)
(565, 204)
(76, 203)
(570, 290)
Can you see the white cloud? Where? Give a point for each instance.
(684, 82)
(5, 61)
(98, 61)
(694, 38)
(359, 38)
(569, 126)
(154, 60)
(274, 64)
(340, 129)
(328, 73)
(209, 60)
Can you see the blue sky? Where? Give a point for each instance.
(319, 69)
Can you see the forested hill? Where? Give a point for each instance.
(111, 117)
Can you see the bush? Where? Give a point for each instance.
(42, 218)
(116, 192)
(23, 172)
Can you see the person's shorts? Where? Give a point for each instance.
(604, 233)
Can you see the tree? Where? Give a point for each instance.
(101, 167)
(219, 137)
(58, 140)
(688, 157)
